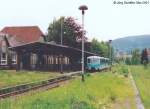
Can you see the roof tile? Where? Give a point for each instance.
(24, 34)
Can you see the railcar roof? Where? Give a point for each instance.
(95, 57)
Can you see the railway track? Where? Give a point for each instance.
(50, 83)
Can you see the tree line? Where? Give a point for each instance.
(137, 57)
(71, 33)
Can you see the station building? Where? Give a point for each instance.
(25, 48)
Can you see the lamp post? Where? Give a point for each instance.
(110, 54)
(83, 8)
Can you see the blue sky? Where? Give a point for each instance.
(104, 20)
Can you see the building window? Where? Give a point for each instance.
(33, 59)
(14, 58)
(3, 59)
(65, 60)
(50, 60)
(56, 60)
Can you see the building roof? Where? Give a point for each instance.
(50, 48)
(1, 33)
(24, 34)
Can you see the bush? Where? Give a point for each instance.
(113, 97)
(87, 74)
(145, 64)
(128, 61)
(77, 104)
(125, 71)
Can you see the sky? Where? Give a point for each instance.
(104, 20)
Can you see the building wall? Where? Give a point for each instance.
(48, 62)
(8, 59)
(29, 60)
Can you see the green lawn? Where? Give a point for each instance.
(99, 90)
(11, 77)
(142, 79)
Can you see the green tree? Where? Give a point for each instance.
(144, 57)
(128, 61)
(95, 46)
(71, 31)
(136, 57)
(101, 48)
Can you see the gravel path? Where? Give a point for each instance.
(138, 100)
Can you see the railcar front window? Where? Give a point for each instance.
(89, 60)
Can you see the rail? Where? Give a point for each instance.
(18, 89)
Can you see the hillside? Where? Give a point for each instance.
(129, 43)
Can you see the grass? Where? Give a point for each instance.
(99, 91)
(121, 69)
(11, 77)
(141, 76)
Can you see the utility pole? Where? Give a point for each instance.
(61, 42)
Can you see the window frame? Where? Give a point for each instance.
(3, 61)
(14, 58)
